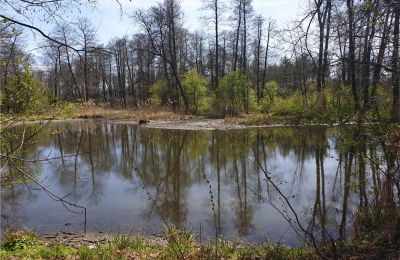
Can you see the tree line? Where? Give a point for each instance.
(239, 64)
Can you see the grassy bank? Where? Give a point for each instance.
(184, 245)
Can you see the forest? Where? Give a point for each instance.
(120, 108)
(340, 58)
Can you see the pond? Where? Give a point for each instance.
(263, 184)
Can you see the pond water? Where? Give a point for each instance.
(235, 184)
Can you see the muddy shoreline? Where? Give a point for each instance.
(76, 239)
(187, 124)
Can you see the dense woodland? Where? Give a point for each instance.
(339, 56)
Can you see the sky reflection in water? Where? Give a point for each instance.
(176, 166)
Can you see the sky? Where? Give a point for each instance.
(108, 19)
(112, 20)
(104, 17)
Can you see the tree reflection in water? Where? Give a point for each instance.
(326, 174)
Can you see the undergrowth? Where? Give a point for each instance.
(177, 245)
(183, 245)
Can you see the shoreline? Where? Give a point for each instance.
(183, 245)
(179, 124)
(167, 119)
(171, 245)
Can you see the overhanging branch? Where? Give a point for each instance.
(39, 31)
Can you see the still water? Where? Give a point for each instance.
(234, 184)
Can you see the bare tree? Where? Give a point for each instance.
(86, 39)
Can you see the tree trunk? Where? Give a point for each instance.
(395, 67)
(244, 64)
(266, 56)
(379, 60)
(235, 58)
(352, 56)
(327, 35)
(216, 44)
(259, 35)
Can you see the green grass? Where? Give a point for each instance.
(235, 250)
(179, 245)
(183, 245)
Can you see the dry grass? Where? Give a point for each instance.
(127, 114)
(73, 111)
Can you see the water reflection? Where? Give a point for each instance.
(218, 180)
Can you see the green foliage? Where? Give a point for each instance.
(68, 108)
(235, 94)
(267, 102)
(128, 241)
(159, 93)
(55, 252)
(195, 87)
(38, 251)
(86, 253)
(271, 89)
(10, 147)
(23, 93)
(339, 101)
(292, 104)
(329, 105)
(18, 240)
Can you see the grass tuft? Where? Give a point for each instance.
(180, 244)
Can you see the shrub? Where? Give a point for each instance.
(293, 103)
(267, 102)
(339, 101)
(18, 240)
(23, 93)
(159, 93)
(195, 88)
(235, 94)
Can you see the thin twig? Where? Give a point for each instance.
(52, 195)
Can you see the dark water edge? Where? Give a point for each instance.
(233, 184)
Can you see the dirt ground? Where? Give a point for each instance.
(90, 239)
(163, 119)
(195, 124)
